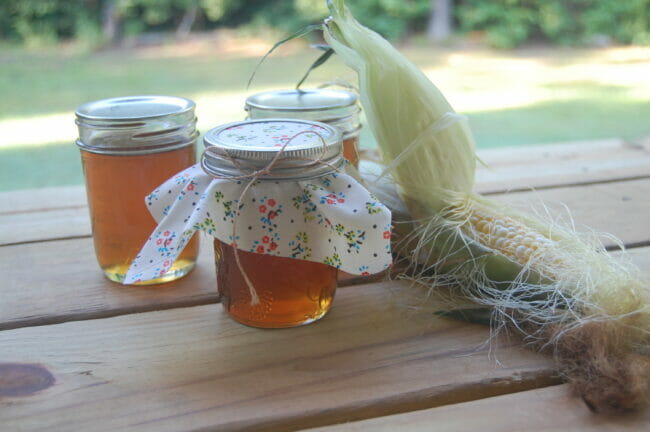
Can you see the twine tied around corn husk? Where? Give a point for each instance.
(253, 175)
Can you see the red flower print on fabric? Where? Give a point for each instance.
(273, 246)
(262, 209)
(271, 202)
(260, 249)
(386, 235)
(266, 239)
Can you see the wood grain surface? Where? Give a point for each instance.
(548, 409)
(59, 281)
(78, 352)
(195, 369)
(592, 205)
(55, 281)
(544, 166)
(43, 214)
(620, 208)
(59, 213)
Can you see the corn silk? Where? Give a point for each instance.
(559, 288)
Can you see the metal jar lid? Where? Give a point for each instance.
(340, 108)
(242, 148)
(136, 125)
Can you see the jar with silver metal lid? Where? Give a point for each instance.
(338, 108)
(129, 146)
(292, 291)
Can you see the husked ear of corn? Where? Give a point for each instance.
(561, 289)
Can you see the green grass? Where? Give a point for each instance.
(516, 98)
(601, 111)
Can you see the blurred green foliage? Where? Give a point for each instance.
(505, 23)
(38, 22)
(508, 23)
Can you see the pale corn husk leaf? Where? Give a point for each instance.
(431, 121)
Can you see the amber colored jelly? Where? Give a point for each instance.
(116, 186)
(291, 292)
(350, 150)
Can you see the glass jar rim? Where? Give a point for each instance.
(133, 108)
(136, 125)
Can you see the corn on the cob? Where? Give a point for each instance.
(551, 283)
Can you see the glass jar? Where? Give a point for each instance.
(338, 108)
(128, 147)
(291, 291)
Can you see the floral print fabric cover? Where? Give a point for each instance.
(330, 219)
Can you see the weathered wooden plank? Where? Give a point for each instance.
(544, 166)
(37, 200)
(619, 207)
(195, 369)
(58, 281)
(39, 225)
(61, 212)
(547, 409)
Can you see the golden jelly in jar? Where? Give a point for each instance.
(128, 147)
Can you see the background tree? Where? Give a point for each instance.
(439, 27)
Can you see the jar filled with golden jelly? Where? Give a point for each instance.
(338, 108)
(284, 214)
(129, 146)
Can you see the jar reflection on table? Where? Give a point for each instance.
(338, 108)
(291, 292)
(129, 146)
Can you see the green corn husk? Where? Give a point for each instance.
(561, 289)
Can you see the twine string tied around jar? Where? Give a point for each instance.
(253, 177)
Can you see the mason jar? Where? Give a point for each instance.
(338, 108)
(130, 145)
(292, 291)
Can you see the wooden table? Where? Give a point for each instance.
(80, 353)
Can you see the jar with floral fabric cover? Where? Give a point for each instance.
(285, 216)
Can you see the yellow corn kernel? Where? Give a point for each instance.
(506, 235)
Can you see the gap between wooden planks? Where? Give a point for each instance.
(195, 369)
(547, 409)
